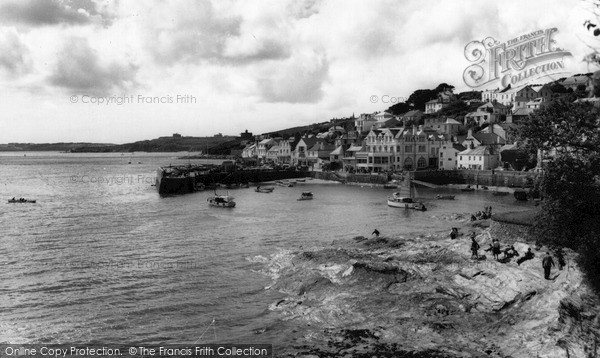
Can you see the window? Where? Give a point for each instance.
(408, 164)
(408, 149)
(421, 163)
(422, 149)
(450, 159)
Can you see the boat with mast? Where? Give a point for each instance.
(405, 198)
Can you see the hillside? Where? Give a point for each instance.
(214, 145)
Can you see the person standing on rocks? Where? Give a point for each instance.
(547, 263)
(474, 247)
(376, 233)
(496, 249)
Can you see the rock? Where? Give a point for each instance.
(358, 301)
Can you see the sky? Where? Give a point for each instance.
(122, 71)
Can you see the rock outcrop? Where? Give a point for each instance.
(426, 297)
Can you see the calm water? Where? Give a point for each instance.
(101, 257)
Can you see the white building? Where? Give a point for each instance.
(449, 155)
(479, 158)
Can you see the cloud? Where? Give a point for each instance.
(302, 9)
(298, 80)
(181, 31)
(47, 12)
(79, 68)
(14, 54)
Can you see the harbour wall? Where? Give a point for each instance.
(352, 178)
(245, 176)
(477, 177)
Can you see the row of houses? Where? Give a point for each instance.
(379, 142)
(390, 149)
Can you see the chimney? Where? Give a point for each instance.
(420, 128)
(470, 133)
(414, 129)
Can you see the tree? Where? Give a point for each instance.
(421, 96)
(399, 108)
(570, 184)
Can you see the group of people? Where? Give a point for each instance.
(486, 213)
(510, 252)
(20, 199)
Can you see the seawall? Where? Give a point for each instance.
(477, 177)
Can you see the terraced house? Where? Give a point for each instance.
(402, 149)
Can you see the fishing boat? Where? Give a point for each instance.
(223, 201)
(405, 198)
(307, 195)
(468, 188)
(444, 197)
(286, 183)
(300, 180)
(267, 189)
(390, 186)
(500, 193)
(21, 200)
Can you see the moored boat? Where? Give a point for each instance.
(390, 186)
(223, 201)
(285, 183)
(307, 195)
(500, 193)
(444, 197)
(267, 189)
(405, 199)
(404, 202)
(21, 200)
(467, 188)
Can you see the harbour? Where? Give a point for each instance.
(99, 262)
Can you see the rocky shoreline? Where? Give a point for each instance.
(426, 297)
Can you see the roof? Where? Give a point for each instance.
(477, 113)
(416, 112)
(451, 121)
(522, 112)
(326, 147)
(488, 138)
(354, 148)
(493, 105)
(337, 151)
(575, 80)
(481, 150)
(391, 123)
(310, 142)
(265, 141)
(459, 147)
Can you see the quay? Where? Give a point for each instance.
(181, 180)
